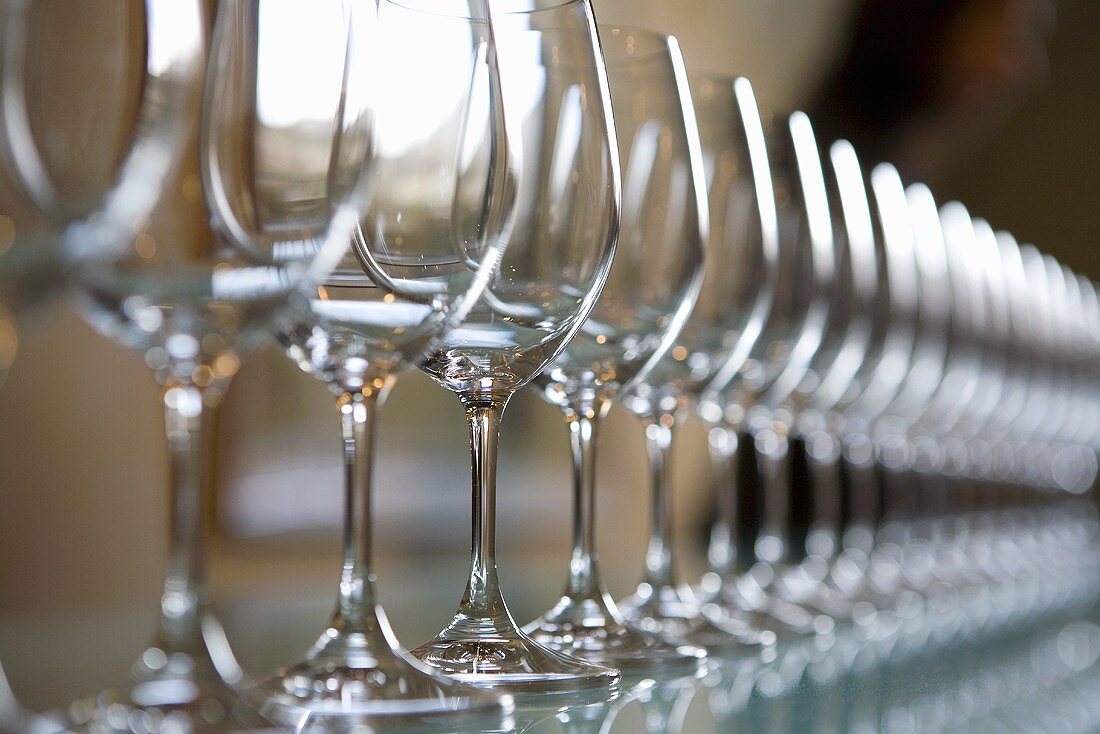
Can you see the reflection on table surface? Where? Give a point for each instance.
(919, 677)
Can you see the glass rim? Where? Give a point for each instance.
(660, 42)
(406, 5)
(697, 75)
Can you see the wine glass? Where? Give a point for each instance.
(862, 305)
(798, 410)
(737, 402)
(924, 443)
(425, 250)
(222, 258)
(905, 372)
(865, 370)
(64, 198)
(560, 249)
(738, 282)
(650, 292)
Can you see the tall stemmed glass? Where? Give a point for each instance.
(650, 292)
(559, 255)
(785, 343)
(223, 257)
(738, 283)
(834, 194)
(910, 317)
(60, 203)
(893, 298)
(862, 306)
(61, 198)
(426, 249)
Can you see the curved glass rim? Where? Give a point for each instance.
(661, 42)
(697, 75)
(405, 4)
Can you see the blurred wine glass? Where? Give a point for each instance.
(652, 288)
(737, 290)
(77, 176)
(224, 255)
(739, 402)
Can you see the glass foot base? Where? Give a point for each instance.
(176, 692)
(665, 705)
(455, 723)
(508, 660)
(586, 629)
(676, 615)
(346, 681)
(745, 599)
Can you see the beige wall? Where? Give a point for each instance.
(781, 45)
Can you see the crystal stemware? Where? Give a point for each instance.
(783, 344)
(424, 252)
(63, 199)
(902, 372)
(738, 284)
(220, 260)
(652, 287)
(57, 207)
(782, 418)
(558, 257)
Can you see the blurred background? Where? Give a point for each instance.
(992, 102)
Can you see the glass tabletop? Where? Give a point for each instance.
(947, 676)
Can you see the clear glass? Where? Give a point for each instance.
(55, 206)
(806, 533)
(650, 292)
(264, 205)
(754, 463)
(901, 372)
(736, 295)
(63, 199)
(425, 250)
(791, 342)
(858, 312)
(560, 247)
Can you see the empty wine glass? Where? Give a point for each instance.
(59, 204)
(901, 374)
(220, 260)
(904, 371)
(738, 402)
(651, 289)
(862, 306)
(797, 410)
(559, 254)
(64, 197)
(738, 279)
(425, 250)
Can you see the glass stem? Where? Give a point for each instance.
(186, 418)
(724, 535)
(355, 611)
(483, 597)
(658, 557)
(773, 545)
(584, 581)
